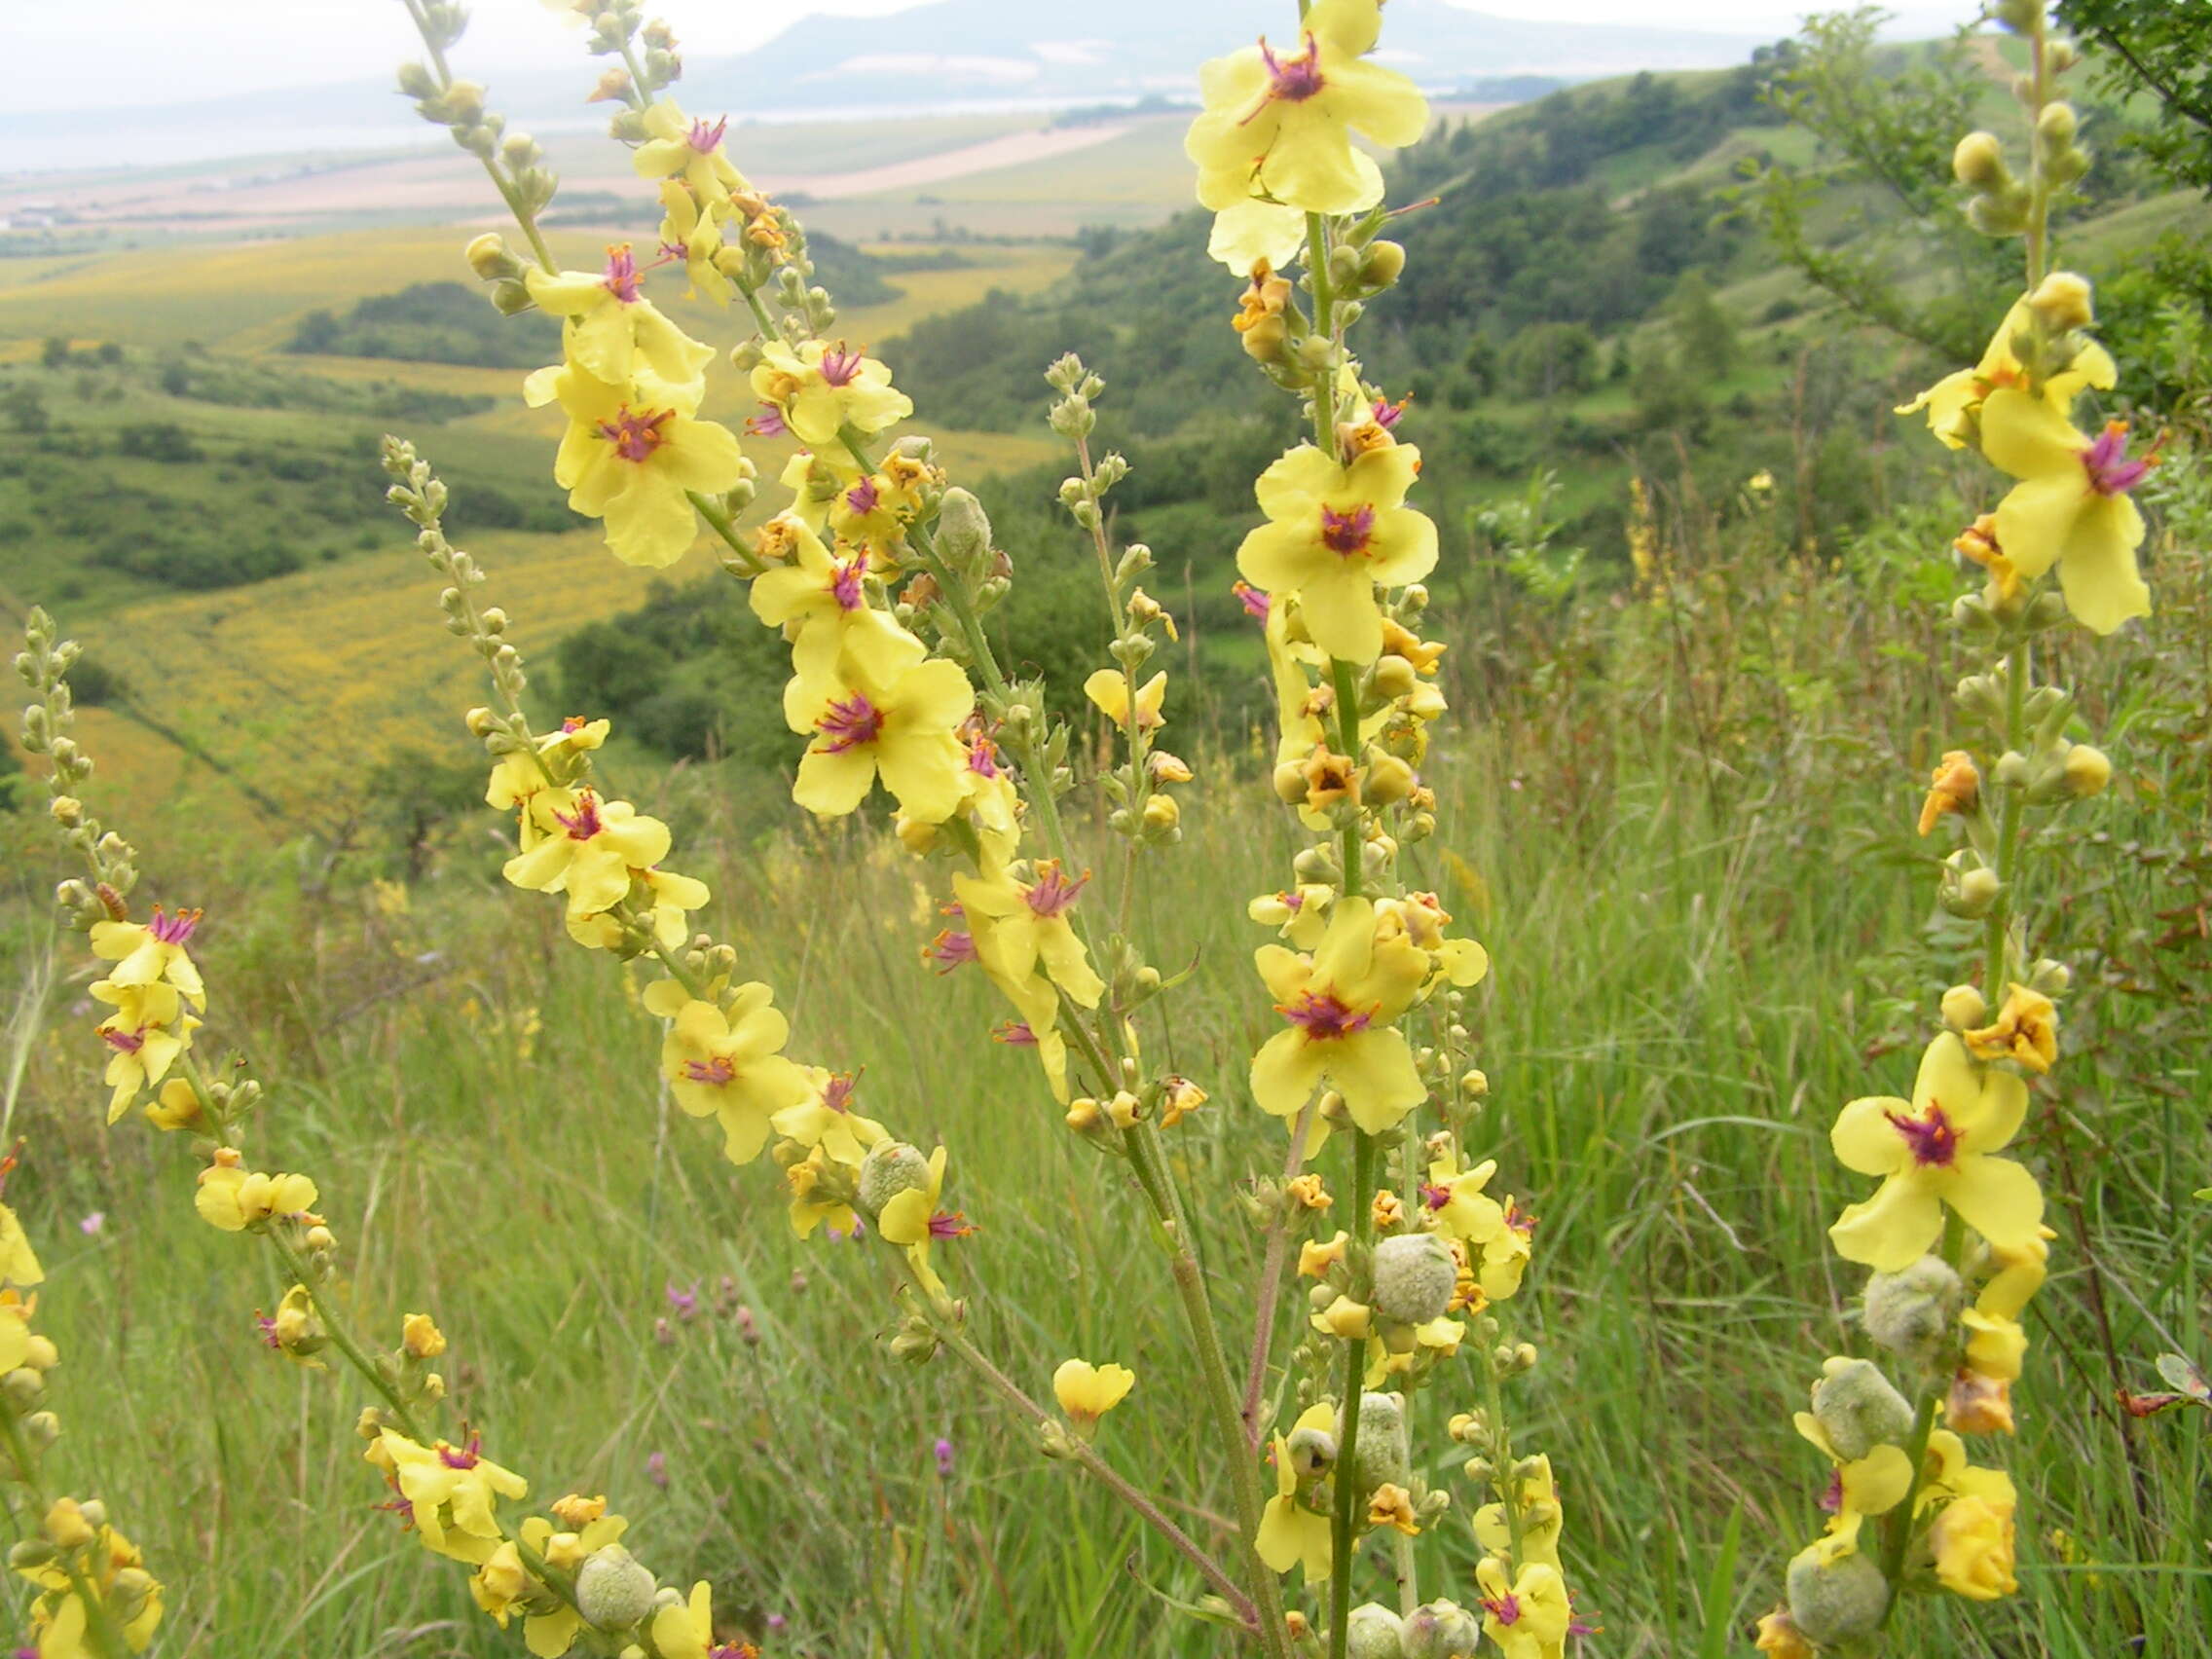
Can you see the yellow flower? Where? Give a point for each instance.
(591, 859)
(684, 227)
(732, 1066)
(1290, 1533)
(1109, 689)
(152, 953)
(678, 146)
(634, 454)
(450, 1492)
(1086, 1392)
(1978, 1405)
(1021, 927)
(1972, 1535)
(2071, 508)
(19, 1262)
(1340, 1003)
(1315, 1257)
(826, 1119)
(234, 1199)
(59, 1616)
(1457, 1204)
(1955, 788)
(1280, 127)
(1536, 1495)
(1391, 1505)
(420, 1335)
(1526, 1616)
(1954, 403)
(1248, 235)
(2024, 1032)
(823, 601)
(670, 899)
(821, 389)
(612, 332)
(1778, 1638)
(686, 1631)
(1932, 1151)
(1334, 531)
(914, 1220)
(148, 1030)
(520, 783)
(1872, 1485)
(902, 728)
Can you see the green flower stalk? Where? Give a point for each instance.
(1955, 1232)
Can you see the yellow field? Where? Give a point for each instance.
(304, 683)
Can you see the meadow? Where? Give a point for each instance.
(1676, 801)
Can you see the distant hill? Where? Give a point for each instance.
(947, 56)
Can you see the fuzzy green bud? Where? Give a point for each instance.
(963, 532)
(1373, 1633)
(1439, 1630)
(1312, 1452)
(613, 1590)
(1839, 1602)
(1384, 263)
(1383, 1454)
(1965, 1007)
(1979, 162)
(2088, 771)
(2058, 123)
(489, 258)
(1909, 1312)
(891, 1167)
(1860, 1408)
(1414, 1279)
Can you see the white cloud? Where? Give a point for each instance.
(1008, 71)
(1075, 54)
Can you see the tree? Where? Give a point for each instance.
(1879, 207)
(1551, 360)
(2162, 48)
(55, 354)
(1705, 340)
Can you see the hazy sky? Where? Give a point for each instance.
(161, 51)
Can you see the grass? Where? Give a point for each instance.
(1707, 920)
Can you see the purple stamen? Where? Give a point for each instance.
(621, 279)
(1932, 1139)
(585, 823)
(123, 1042)
(1388, 415)
(984, 757)
(845, 584)
(1435, 1197)
(717, 1071)
(949, 1223)
(1506, 1608)
(950, 949)
(707, 140)
(1255, 601)
(1324, 1017)
(1053, 893)
(463, 1457)
(1831, 1500)
(1293, 79)
(173, 929)
(838, 367)
(635, 436)
(2106, 461)
(837, 1093)
(1016, 1033)
(1347, 533)
(863, 496)
(768, 424)
(849, 722)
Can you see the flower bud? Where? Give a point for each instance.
(1312, 1452)
(489, 258)
(2057, 125)
(1388, 779)
(21, 1389)
(2088, 771)
(1385, 261)
(963, 532)
(891, 1167)
(1383, 1454)
(1415, 1276)
(1474, 1084)
(1859, 1409)
(1439, 1630)
(1909, 1312)
(68, 1526)
(1979, 890)
(1838, 1601)
(1373, 1633)
(420, 1337)
(1980, 160)
(1289, 780)
(613, 1590)
(1965, 1007)
(2061, 301)
(30, 1554)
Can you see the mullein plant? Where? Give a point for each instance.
(878, 573)
(564, 1578)
(1954, 1236)
(91, 1594)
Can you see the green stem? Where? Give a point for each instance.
(2038, 182)
(1213, 1369)
(1502, 1479)
(1344, 1524)
(722, 523)
(499, 180)
(1997, 933)
(1344, 678)
(1013, 1395)
(343, 1339)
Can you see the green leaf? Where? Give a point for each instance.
(1720, 1592)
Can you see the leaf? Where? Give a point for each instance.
(2183, 1375)
(1719, 1599)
